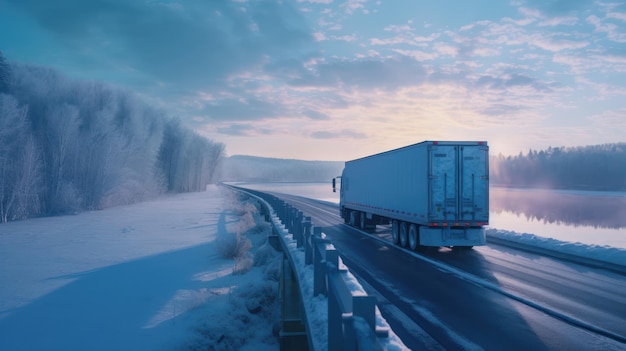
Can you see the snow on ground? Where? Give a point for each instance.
(597, 252)
(148, 276)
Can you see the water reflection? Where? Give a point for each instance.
(575, 208)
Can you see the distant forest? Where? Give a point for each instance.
(67, 146)
(598, 167)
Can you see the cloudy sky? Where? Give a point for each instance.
(337, 79)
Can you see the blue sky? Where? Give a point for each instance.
(337, 80)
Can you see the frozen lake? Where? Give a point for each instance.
(596, 218)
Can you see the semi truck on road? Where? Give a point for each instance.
(433, 193)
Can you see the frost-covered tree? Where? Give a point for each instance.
(168, 158)
(67, 146)
(4, 74)
(19, 163)
(186, 160)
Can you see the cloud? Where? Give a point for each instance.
(389, 73)
(508, 81)
(560, 7)
(316, 115)
(501, 110)
(612, 31)
(350, 6)
(341, 134)
(190, 44)
(236, 130)
(555, 45)
(611, 119)
(446, 49)
(326, 2)
(242, 130)
(617, 15)
(250, 109)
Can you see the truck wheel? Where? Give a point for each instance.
(413, 237)
(403, 234)
(395, 232)
(353, 218)
(362, 217)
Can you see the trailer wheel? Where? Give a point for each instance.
(395, 232)
(413, 237)
(363, 220)
(403, 234)
(353, 218)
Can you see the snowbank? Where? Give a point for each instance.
(595, 252)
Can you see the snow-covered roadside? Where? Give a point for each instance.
(595, 252)
(148, 276)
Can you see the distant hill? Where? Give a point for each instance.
(263, 169)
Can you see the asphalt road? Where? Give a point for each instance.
(492, 297)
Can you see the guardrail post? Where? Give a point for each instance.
(319, 263)
(365, 307)
(317, 232)
(308, 248)
(300, 229)
(349, 342)
(282, 213)
(292, 334)
(293, 213)
(287, 220)
(335, 314)
(297, 226)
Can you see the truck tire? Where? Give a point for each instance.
(403, 234)
(395, 232)
(413, 237)
(354, 218)
(363, 222)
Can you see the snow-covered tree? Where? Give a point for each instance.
(66, 146)
(4, 74)
(19, 163)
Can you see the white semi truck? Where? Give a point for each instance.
(434, 193)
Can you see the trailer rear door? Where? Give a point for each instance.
(443, 182)
(474, 200)
(458, 183)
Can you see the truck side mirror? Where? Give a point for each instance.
(334, 185)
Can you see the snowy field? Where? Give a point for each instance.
(150, 276)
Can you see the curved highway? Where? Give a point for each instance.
(489, 298)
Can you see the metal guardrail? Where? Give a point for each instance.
(351, 314)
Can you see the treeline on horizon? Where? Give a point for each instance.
(597, 167)
(68, 146)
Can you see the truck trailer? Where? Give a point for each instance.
(433, 193)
